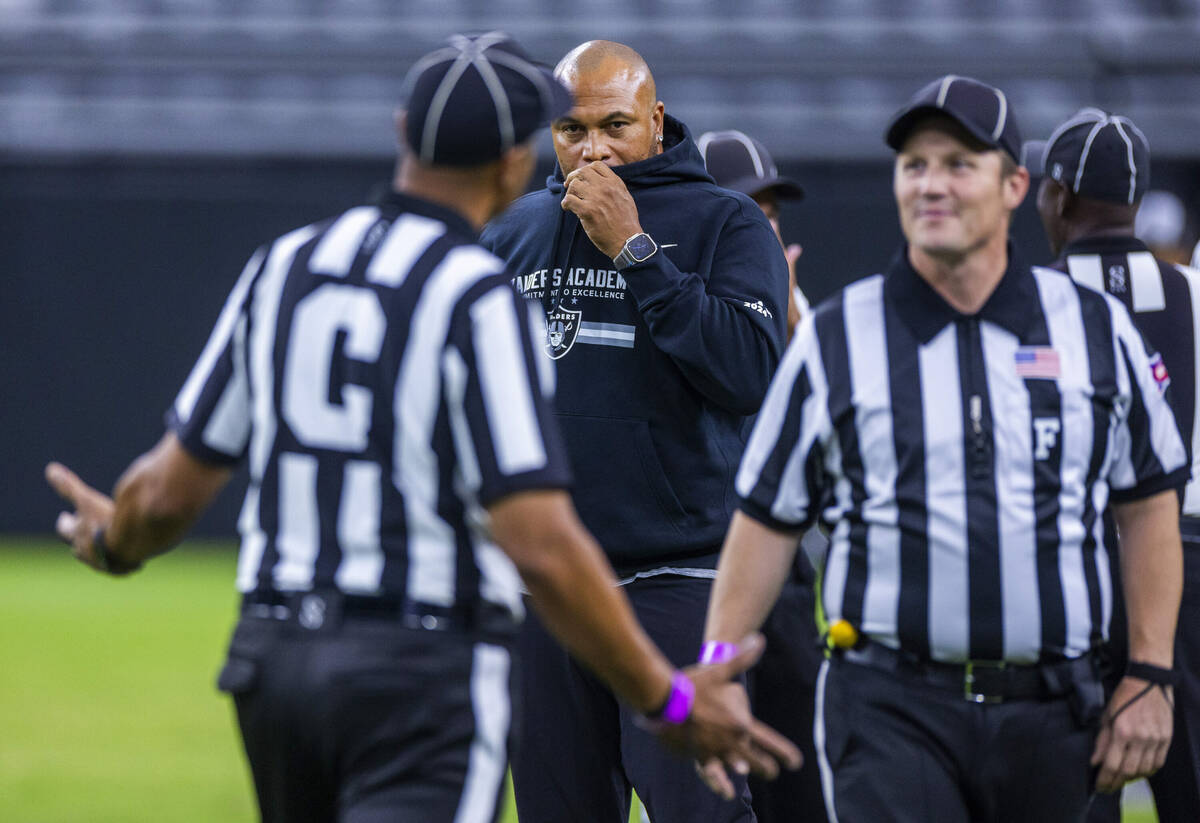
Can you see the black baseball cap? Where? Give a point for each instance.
(979, 108)
(737, 161)
(1095, 154)
(475, 98)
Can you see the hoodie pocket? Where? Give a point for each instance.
(619, 480)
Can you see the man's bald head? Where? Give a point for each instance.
(597, 57)
(617, 117)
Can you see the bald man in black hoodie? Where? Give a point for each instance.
(665, 299)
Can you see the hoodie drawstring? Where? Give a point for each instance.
(552, 298)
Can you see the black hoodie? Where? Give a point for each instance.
(658, 364)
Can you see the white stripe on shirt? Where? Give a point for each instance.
(1014, 498)
(516, 436)
(185, 403)
(431, 569)
(1065, 326)
(870, 393)
(945, 496)
(409, 238)
(335, 253)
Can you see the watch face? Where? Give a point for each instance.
(640, 247)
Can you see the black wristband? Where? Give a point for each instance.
(1151, 673)
(100, 550)
(108, 564)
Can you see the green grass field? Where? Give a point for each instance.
(108, 709)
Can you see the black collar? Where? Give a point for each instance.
(1010, 306)
(1111, 244)
(401, 202)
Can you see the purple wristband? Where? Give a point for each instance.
(717, 652)
(678, 707)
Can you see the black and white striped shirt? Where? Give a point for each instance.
(385, 384)
(1164, 300)
(962, 462)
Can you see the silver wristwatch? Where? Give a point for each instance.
(637, 249)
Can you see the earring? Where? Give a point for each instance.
(658, 137)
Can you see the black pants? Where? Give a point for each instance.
(364, 721)
(894, 749)
(578, 750)
(782, 686)
(1176, 786)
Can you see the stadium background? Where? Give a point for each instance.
(147, 147)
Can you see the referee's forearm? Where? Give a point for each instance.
(139, 529)
(157, 499)
(755, 561)
(1152, 572)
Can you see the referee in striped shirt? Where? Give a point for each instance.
(386, 387)
(960, 423)
(1096, 168)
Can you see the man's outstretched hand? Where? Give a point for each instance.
(721, 732)
(93, 510)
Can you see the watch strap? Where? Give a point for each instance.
(103, 554)
(626, 258)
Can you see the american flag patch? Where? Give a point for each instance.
(1038, 362)
(1158, 370)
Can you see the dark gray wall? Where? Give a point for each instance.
(114, 273)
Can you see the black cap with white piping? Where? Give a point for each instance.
(1096, 155)
(477, 97)
(981, 109)
(737, 161)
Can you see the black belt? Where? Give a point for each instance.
(981, 681)
(323, 608)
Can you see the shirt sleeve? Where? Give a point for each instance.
(211, 414)
(1149, 455)
(724, 331)
(499, 391)
(782, 479)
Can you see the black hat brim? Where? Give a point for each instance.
(908, 119)
(781, 187)
(1033, 154)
